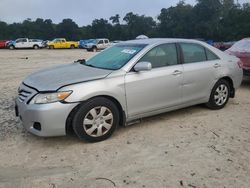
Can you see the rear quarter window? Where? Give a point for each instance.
(211, 55)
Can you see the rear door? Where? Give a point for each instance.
(156, 89)
(200, 71)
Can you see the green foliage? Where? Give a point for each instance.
(220, 20)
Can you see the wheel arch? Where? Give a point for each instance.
(122, 115)
(231, 84)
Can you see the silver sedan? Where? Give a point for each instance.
(128, 81)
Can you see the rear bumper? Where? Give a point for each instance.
(49, 118)
(246, 71)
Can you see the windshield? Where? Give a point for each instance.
(115, 57)
(56, 40)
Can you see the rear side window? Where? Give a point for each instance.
(161, 56)
(211, 55)
(193, 53)
(106, 41)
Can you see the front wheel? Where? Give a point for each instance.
(96, 120)
(72, 47)
(219, 95)
(12, 47)
(35, 47)
(94, 49)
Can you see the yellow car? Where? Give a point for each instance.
(62, 43)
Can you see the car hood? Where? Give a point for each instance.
(54, 78)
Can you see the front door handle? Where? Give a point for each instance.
(216, 65)
(177, 72)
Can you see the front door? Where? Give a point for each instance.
(158, 88)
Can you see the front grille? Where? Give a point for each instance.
(25, 93)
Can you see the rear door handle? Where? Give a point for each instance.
(216, 65)
(177, 72)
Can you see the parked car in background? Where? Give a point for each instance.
(241, 49)
(3, 43)
(62, 43)
(9, 43)
(115, 42)
(83, 42)
(97, 44)
(45, 43)
(126, 82)
(25, 43)
(223, 45)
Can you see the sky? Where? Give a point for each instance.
(83, 12)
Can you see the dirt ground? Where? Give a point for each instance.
(193, 147)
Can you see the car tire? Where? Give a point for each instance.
(94, 49)
(96, 119)
(219, 95)
(12, 47)
(35, 47)
(72, 46)
(51, 47)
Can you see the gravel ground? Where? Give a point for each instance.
(191, 147)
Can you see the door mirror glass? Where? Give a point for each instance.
(143, 66)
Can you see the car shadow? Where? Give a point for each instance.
(246, 82)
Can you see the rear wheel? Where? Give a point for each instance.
(72, 47)
(96, 120)
(51, 47)
(219, 95)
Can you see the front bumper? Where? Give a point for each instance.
(51, 117)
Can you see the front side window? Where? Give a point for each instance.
(115, 57)
(21, 40)
(100, 42)
(162, 55)
(193, 53)
(106, 41)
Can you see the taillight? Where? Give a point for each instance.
(240, 63)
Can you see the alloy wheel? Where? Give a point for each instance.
(221, 94)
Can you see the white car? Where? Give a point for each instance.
(27, 43)
(97, 44)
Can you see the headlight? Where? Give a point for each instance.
(43, 98)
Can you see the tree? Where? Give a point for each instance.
(137, 25)
(176, 21)
(100, 28)
(115, 19)
(68, 29)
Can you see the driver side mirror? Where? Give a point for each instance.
(143, 66)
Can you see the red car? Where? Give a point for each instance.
(241, 49)
(3, 43)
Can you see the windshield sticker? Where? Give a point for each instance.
(128, 51)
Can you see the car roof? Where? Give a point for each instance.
(160, 40)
